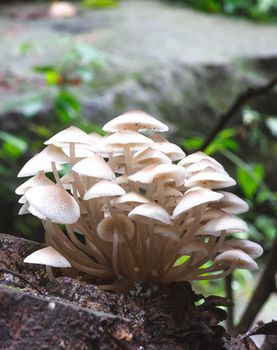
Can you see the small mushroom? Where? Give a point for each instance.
(251, 248)
(237, 258)
(104, 188)
(48, 256)
(225, 222)
(38, 180)
(210, 178)
(135, 121)
(54, 203)
(94, 166)
(194, 197)
(173, 151)
(151, 211)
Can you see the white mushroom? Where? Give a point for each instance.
(135, 121)
(48, 256)
(54, 203)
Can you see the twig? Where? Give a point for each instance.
(249, 94)
(16, 274)
(230, 297)
(263, 290)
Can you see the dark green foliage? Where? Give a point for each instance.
(260, 10)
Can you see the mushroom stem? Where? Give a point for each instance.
(128, 159)
(115, 253)
(56, 175)
(160, 191)
(151, 249)
(49, 273)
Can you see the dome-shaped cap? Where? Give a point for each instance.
(232, 203)
(54, 203)
(173, 151)
(197, 157)
(194, 247)
(104, 188)
(167, 231)
(150, 156)
(166, 171)
(106, 228)
(94, 166)
(151, 211)
(194, 197)
(119, 140)
(202, 165)
(226, 222)
(42, 162)
(251, 248)
(238, 258)
(136, 121)
(38, 180)
(47, 256)
(210, 178)
(69, 135)
(129, 199)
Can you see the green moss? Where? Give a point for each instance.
(99, 3)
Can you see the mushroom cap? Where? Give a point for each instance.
(210, 178)
(238, 258)
(37, 164)
(150, 156)
(154, 172)
(81, 150)
(167, 231)
(251, 248)
(47, 256)
(194, 197)
(202, 165)
(130, 199)
(94, 166)
(151, 211)
(135, 121)
(197, 157)
(119, 140)
(24, 209)
(38, 180)
(173, 151)
(232, 203)
(109, 224)
(104, 188)
(194, 247)
(36, 213)
(54, 203)
(226, 222)
(69, 135)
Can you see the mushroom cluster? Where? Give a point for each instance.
(128, 207)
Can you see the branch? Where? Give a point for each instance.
(263, 290)
(249, 94)
(229, 294)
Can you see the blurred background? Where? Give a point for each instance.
(186, 62)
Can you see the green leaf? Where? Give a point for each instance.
(13, 144)
(250, 180)
(52, 77)
(67, 106)
(193, 143)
